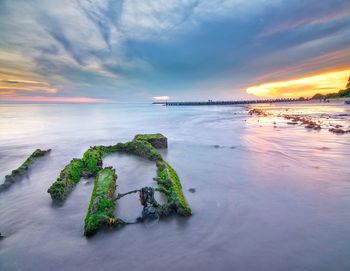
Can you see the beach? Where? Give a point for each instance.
(266, 194)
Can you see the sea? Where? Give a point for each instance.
(265, 195)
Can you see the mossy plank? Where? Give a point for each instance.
(169, 183)
(92, 159)
(102, 202)
(67, 180)
(140, 148)
(88, 166)
(22, 169)
(143, 145)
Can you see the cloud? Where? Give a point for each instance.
(165, 19)
(113, 49)
(313, 19)
(334, 60)
(24, 86)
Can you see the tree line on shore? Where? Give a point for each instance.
(343, 93)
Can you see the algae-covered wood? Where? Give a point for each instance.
(169, 183)
(102, 202)
(22, 169)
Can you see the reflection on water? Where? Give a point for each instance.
(266, 198)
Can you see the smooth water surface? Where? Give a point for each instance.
(267, 198)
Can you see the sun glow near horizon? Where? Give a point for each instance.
(161, 98)
(327, 82)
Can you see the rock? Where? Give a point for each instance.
(99, 163)
(338, 131)
(258, 112)
(86, 174)
(192, 190)
(313, 126)
(158, 141)
(149, 204)
(166, 210)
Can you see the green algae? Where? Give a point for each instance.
(140, 148)
(91, 162)
(67, 180)
(22, 169)
(102, 203)
(88, 166)
(158, 141)
(169, 184)
(92, 159)
(148, 136)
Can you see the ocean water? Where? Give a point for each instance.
(267, 198)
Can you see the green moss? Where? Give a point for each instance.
(22, 169)
(169, 183)
(68, 178)
(92, 159)
(102, 202)
(140, 148)
(156, 140)
(90, 164)
(148, 136)
(143, 145)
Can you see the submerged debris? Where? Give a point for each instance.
(158, 141)
(87, 167)
(20, 171)
(167, 179)
(140, 148)
(68, 178)
(151, 208)
(102, 203)
(169, 184)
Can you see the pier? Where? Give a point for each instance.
(211, 102)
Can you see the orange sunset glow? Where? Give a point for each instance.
(327, 82)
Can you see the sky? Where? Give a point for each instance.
(122, 51)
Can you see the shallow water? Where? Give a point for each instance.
(266, 199)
